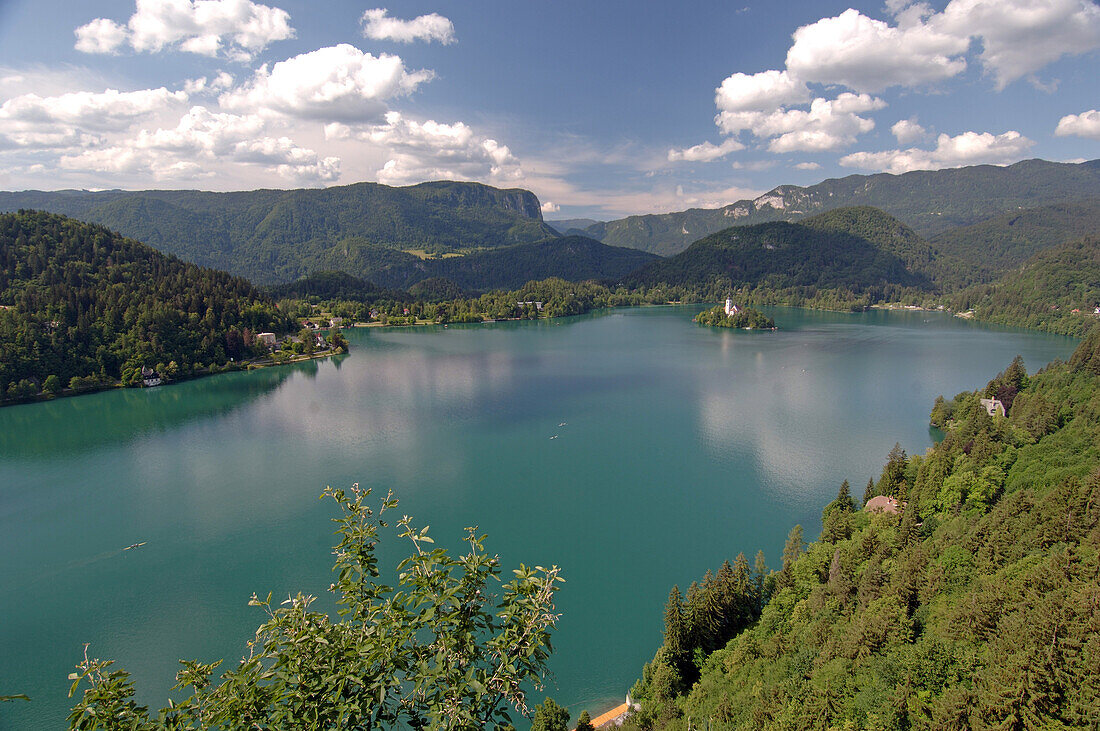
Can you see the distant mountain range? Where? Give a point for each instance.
(447, 239)
(280, 235)
(928, 201)
(567, 225)
(853, 248)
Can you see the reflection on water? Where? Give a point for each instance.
(676, 446)
(84, 423)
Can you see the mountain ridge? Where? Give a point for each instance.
(279, 235)
(929, 201)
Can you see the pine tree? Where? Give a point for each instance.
(676, 629)
(584, 723)
(869, 492)
(759, 580)
(894, 472)
(793, 549)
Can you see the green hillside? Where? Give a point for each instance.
(575, 258)
(330, 286)
(854, 248)
(928, 201)
(1044, 292)
(994, 247)
(273, 236)
(81, 302)
(975, 606)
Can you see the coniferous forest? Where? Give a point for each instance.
(974, 605)
(83, 307)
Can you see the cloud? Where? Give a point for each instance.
(753, 165)
(807, 166)
(337, 83)
(968, 148)
(110, 110)
(549, 207)
(238, 29)
(1020, 37)
(1085, 124)
(705, 152)
(869, 55)
(101, 36)
(764, 91)
(827, 125)
(433, 150)
(907, 131)
(378, 26)
(201, 141)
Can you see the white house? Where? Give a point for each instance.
(992, 406)
(149, 377)
(267, 339)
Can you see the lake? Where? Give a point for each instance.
(681, 446)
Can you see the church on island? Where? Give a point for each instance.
(731, 309)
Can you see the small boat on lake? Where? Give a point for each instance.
(135, 545)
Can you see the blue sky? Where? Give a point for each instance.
(602, 108)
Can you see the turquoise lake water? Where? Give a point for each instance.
(682, 446)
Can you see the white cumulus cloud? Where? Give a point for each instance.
(1085, 124)
(236, 28)
(433, 150)
(705, 152)
(870, 55)
(96, 111)
(764, 91)
(1020, 37)
(908, 131)
(550, 207)
(829, 124)
(200, 142)
(379, 26)
(337, 83)
(968, 148)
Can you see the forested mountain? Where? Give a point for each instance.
(83, 306)
(928, 201)
(566, 225)
(331, 286)
(852, 248)
(1045, 292)
(575, 258)
(974, 605)
(994, 247)
(280, 235)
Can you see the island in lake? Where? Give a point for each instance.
(733, 316)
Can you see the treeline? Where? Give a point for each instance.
(82, 307)
(558, 297)
(973, 606)
(1057, 290)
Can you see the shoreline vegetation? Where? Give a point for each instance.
(734, 317)
(87, 386)
(961, 595)
(83, 308)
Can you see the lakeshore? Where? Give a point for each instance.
(231, 367)
(220, 476)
